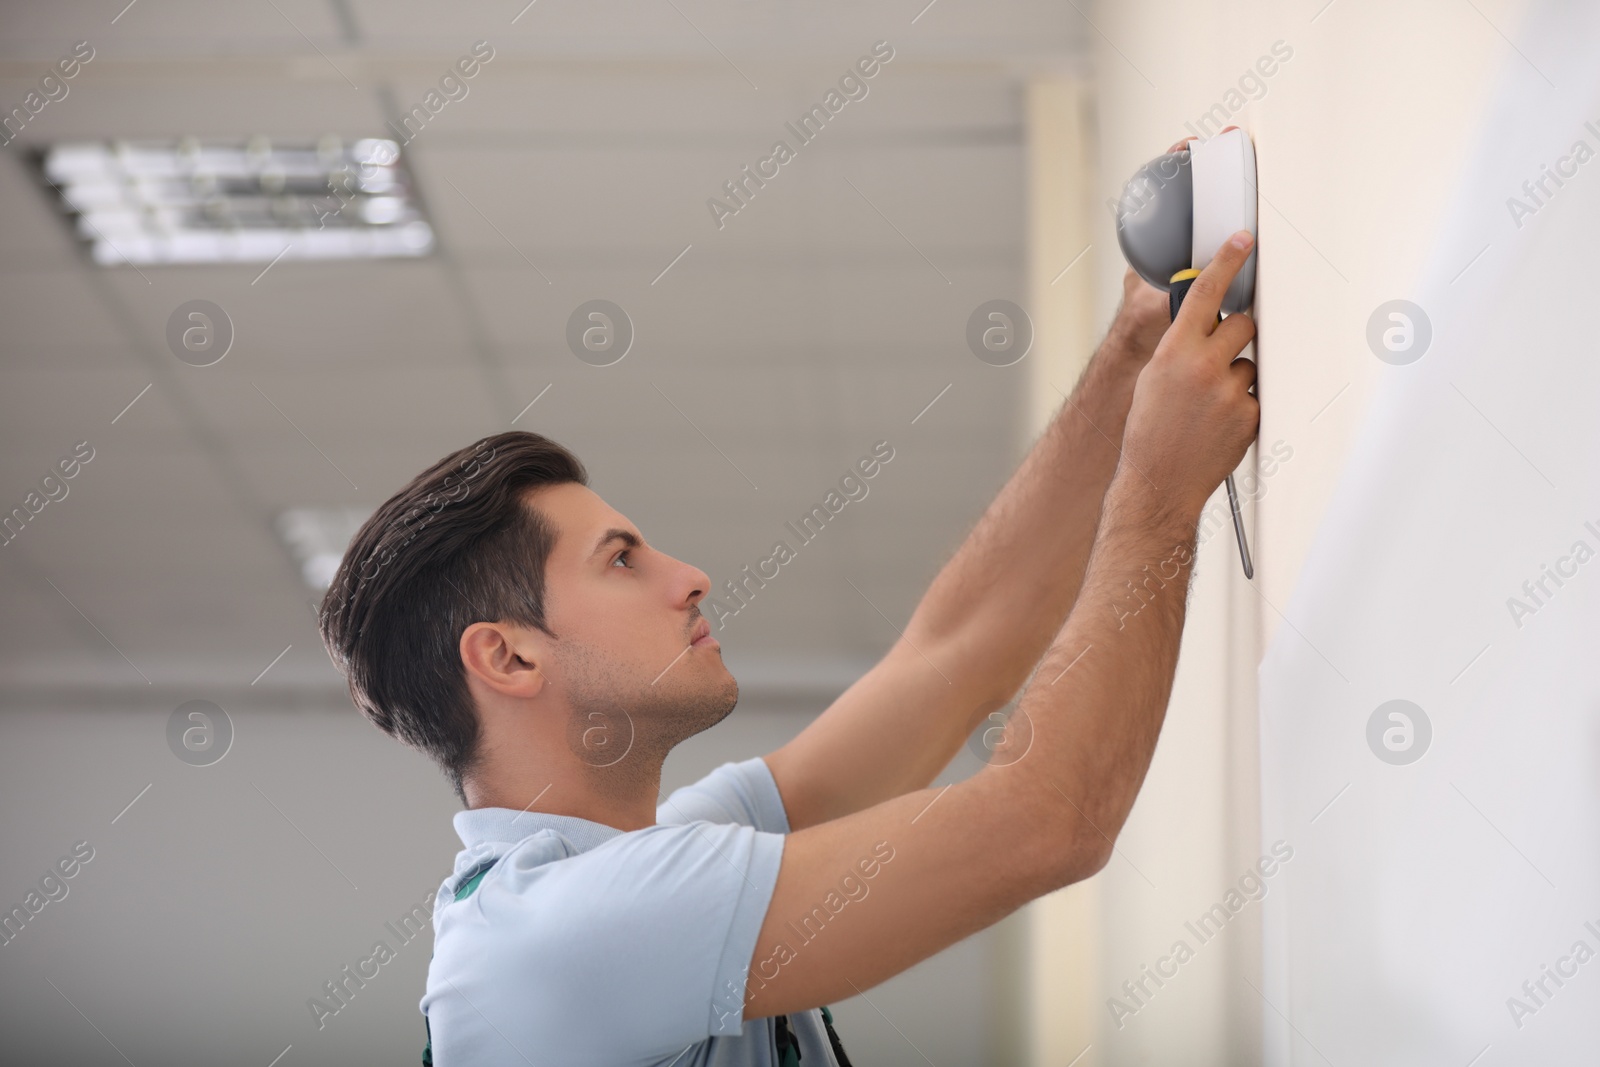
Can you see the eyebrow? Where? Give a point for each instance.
(627, 537)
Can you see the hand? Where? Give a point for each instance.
(1193, 416)
(1141, 320)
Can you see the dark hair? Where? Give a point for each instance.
(458, 545)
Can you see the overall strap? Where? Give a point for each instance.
(833, 1038)
(471, 884)
(786, 1047)
(467, 888)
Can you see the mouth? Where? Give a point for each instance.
(701, 637)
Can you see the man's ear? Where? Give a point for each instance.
(504, 657)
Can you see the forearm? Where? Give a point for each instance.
(1095, 708)
(1096, 705)
(982, 625)
(995, 605)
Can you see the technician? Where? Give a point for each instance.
(498, 615)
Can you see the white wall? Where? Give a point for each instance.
(1377, 941)
(1428, 893)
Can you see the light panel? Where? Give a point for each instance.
(189, 201)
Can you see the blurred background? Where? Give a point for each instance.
(390, 257)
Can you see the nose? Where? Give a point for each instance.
(694, 583)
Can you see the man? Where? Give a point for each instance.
(497, 614)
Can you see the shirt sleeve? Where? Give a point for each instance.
(626, 954)
(742, 793)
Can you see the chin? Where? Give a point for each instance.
(699, 702)
(721, 699)
(726, 692)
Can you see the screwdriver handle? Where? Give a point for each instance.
(1180, 284)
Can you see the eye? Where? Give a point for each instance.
(622, 557)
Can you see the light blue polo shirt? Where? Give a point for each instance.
(586, 945)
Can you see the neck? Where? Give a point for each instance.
(623, 795)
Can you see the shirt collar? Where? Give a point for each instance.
(479, 826)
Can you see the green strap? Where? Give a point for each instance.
(784, 1044)
(466, 889)
(788, 1046)
(471, 884)
(833, 1038)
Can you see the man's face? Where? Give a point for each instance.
(632, 653)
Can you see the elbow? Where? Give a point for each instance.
(1073, 854)
(1053, 845)
(1087, 858)
(1083, 852)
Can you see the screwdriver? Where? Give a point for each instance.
(1180, 283)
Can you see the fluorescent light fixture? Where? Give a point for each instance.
(193, 201)
(317, 539)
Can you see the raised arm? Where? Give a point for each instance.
(944, 864)
(990, 613)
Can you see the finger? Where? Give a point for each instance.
(1233, 333)
(1243, 371)
(1253, 419)
(1179, 146)
(1198, 316)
